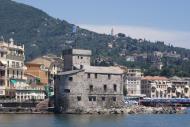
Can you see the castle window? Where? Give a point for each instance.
(105, 88)
(92, 98)
(114, 98)
(109, 76)
(96, 75)
(103, 98)
(88, 75)
(67, 90)
(91, 88)
(70, 78)
(79, 98)
(115, 87)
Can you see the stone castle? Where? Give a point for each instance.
(82, 87)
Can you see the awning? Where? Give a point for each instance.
(186, 86)
(38, 80)
(3, 50)
(178, 91)
(169, 86)
(154, 85)
(4, 62)
(13, 81)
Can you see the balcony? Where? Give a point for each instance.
(14, 57)
(2, 77)
(2, 67)
(17, 67)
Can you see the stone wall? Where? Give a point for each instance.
(79, 92)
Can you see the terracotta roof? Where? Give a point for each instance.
(154, 78)
(44, 61)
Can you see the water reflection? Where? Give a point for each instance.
(21, 120)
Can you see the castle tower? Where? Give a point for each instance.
(74, 57)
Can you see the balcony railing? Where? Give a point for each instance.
(2, 67)
(2, 77)
(14, 57)
(16, 67)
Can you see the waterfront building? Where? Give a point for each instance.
(156, 87)
(11, 68)
(13, 82)
(39, 71)
(52, 63)
(133, 82)
(29, 92)
(45, 68)
(180, 87)
(82, 87)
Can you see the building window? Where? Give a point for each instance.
(17, 64)
(79, 98)
(1, 54)
(13, 64)
(17, 73)
(70, 78)
(96, 75)
(105, 88)
(114, 98)
(67, 90)
(109, 76)
(88, 75)
(92, 98)
(8, 73)
(81, 57)
(103, 98)
(115, 87)
(13, 73)
(91, 88)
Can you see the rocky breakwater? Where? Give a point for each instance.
(134, 110)
(156, 110)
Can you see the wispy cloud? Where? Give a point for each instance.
(177, 38)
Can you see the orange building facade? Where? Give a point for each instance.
(39, 71)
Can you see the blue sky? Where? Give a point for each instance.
(167, 20)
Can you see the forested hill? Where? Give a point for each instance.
(43, 34)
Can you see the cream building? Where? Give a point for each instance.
(156, 87)
(133, 82)
(12, 62)
(12, 80)
(180, 88)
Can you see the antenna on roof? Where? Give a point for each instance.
(2, 38)
(74, 31)
(112, 32)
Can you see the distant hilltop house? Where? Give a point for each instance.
(82, 87)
